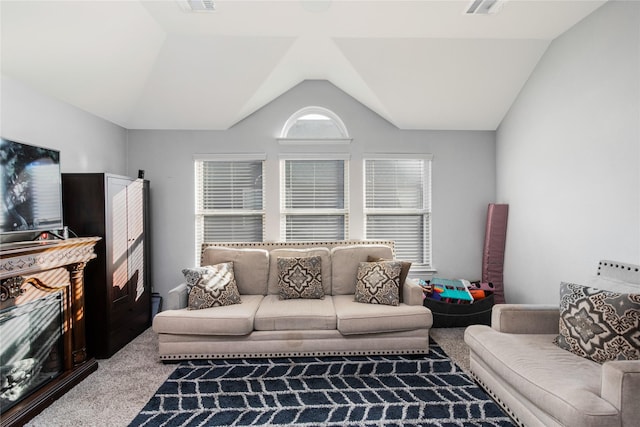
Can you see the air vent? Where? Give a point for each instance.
(197, 5)
(484, 7)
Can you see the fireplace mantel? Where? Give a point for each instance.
(30, 271)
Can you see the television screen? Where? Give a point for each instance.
(31, 188)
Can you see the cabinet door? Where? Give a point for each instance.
(135, 238)
(118, 253)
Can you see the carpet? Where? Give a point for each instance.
(427, 390)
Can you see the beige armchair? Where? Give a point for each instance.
(540, 384)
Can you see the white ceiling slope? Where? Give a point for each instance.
(151, 65)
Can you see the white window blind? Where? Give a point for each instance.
(313, 199)
(229, 201)
(398, 205)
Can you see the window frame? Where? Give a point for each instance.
(426, 264)
(284, 139)
(285, 211)
(200, 212)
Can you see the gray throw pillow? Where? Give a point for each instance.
(406, 266)
(599, 325)
(300, 277)
(378, 282)
(216, 287)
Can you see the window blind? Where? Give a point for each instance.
(314, 199)
(229, 201)
(398, 205)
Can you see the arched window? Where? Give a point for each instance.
(314, 199)
(314, 125)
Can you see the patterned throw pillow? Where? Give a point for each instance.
(599, 325)
(378, 282)
(406, 265)
(194, 274)
(215, 287)
(300, 277)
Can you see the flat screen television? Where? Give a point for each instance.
(31, 187)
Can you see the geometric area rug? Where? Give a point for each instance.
(420, 390)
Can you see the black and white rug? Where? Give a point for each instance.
(322, 391)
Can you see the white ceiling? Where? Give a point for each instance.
(151, 65)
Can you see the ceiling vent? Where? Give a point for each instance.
(197, 5)
(484, 7)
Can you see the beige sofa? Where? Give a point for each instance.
(263, 325)
(541, 384)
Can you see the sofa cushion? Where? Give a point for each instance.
(599, 325)
(345, 261)
(357, 318)
(236, 319)
(406, 266)
(325, 259)
(251, 267)
(300, 277)
(276, 314)
(378, 283)
(556, 381)
(216, 287)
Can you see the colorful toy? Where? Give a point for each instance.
(454, 291)
(477, 294)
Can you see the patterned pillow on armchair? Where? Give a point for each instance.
(599, 325)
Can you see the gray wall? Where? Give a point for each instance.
(568, 158)
(87, 143)
(463, 176)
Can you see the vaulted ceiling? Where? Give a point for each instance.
(155, 65)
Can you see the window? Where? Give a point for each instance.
(313, 199)
(312, 125)
(229, 199)
(398, 204)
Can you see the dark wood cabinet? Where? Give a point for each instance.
(117, 285)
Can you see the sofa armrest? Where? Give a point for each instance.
(178, 297)
(412, 293)
(525, 318)
(621, 387)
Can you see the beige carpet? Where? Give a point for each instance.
(114, 394)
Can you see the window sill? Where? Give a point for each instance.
(419, 272)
